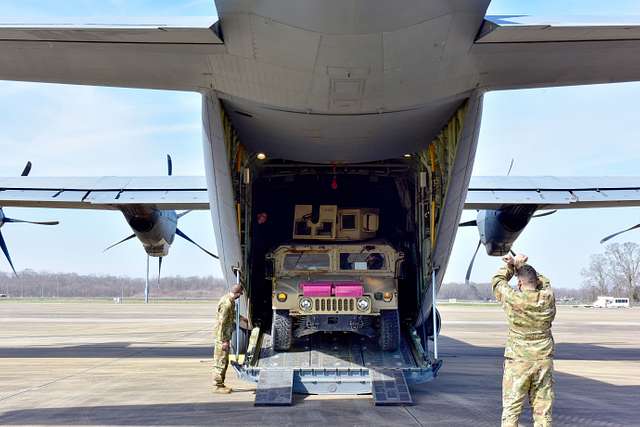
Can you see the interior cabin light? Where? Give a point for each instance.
(282, 297)
(261, 156)
(387, 296)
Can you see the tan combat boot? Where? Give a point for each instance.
(221, 389)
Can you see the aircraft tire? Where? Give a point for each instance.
(244, 341)
(429, 324)
(389, 332)
(281, 330)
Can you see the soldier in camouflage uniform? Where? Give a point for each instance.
(224, 329)
(528, 365)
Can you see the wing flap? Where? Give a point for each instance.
(553, 192)
(163, 192)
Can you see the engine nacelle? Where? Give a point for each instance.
(499, 228)
(156, 229)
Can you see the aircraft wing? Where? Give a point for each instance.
(144, 53)
(549, 192)
(163, 192)
(522, 51)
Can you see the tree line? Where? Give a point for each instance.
(32, 284)
(615, 272)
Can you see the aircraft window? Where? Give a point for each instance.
(306, 261)
(348, 222)
(362, 261)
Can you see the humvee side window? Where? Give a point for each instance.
(348, 222)
(302, 229)
(362, 261)
(306, 261)
(325, 229)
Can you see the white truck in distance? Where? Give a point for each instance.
(611, 302)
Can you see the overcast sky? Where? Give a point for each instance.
(75, 130)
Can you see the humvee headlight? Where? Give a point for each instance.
(387, 296)
(363, 304)
(282, 297)
(305, 304)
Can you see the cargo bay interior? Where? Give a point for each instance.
(409, 192)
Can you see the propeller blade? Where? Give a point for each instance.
(169, 165)
(188, 239)
(611, 236)
(510, 166)
(3, 246)
(540, 215)
(26, 170)
(468, 224)
(31, 222)
(159, 270)
(468, 276)
(181, 214)
(146, 284)
(121, 241)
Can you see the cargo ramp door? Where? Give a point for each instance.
(330, 363)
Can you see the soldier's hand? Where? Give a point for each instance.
(520, 260)
(225, 345)
(508, 259)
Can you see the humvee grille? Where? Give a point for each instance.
(335, 305)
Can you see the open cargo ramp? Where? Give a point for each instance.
(333, 363)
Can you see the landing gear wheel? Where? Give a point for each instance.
(389, 332)
(429, 324)
(244, 341)
(281, 330)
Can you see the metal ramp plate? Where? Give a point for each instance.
(275, 387)
(389, 387)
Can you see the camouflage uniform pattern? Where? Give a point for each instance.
(224, 329)
(528, 367)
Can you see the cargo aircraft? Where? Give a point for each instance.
(363, 103)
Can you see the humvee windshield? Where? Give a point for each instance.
(362, 261)
(306, 261)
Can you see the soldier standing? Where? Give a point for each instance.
(528, 364)
(224, 329)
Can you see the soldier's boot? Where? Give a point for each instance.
(222, 389)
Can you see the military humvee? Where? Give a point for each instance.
(335, 276)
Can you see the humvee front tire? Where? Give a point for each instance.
(281, 330)
(389, 332)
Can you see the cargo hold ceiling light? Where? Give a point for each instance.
(261, 156)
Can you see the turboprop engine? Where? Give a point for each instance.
(499, 229)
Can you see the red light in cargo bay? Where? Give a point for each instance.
(334, 181)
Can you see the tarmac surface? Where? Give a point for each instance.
(130, 364)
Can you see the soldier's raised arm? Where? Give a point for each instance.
(500, 283)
